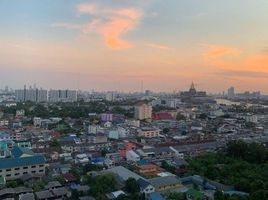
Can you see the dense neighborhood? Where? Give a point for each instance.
(187, 146)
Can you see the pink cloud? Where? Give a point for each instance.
(110, 23)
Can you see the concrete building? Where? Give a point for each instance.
(62, 96)
(106, 117)
(110, 96)
(143, 111)
(148, 132)
(132, 156)
(231, 92)
(31, 94)
(145, 186)
(132, 122)
(42, 95)
(167, 183)
(20, 161)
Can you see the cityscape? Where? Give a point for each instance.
(133, 100)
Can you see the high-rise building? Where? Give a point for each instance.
(62, 95)
(42, 95)
(20, 95)
(110, 96)
(231, 92)
(31, 94)
(143, 111)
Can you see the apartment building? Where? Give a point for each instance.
(20, 161)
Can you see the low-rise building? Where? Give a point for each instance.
(20, 161)
(132, 156)
(163, 184)
(148, 169)
(148, 132)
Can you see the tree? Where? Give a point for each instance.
(132, 186)
(54, 143)
(102, 184)
(104, 152)
(166, 130)
(167, 167)
(176, 196)
(180, 117)
(203, 116)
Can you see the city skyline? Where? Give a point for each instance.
(103, 45)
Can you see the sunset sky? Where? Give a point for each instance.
(117, 44)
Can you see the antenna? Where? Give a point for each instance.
(78, 81)
(142, 86)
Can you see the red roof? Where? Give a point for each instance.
(162, 116)
(149, 166)
(69, 177)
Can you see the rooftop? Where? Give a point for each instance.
(124, 173)
(164, 181)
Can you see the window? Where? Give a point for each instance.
(34, 166)
(8, 175)
(33, 172)
(25, 167)
(41, 165)
(25, 172)
(17, 168)
(41, 170)
(0, 170)
(17, 174)
(8, 170)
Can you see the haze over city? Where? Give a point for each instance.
(133, 100)
(116, 44)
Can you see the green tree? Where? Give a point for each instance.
(180, 117)
(176, 196)
(132, 186)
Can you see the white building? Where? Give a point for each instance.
(166, 102)
(62, 96)
(133, 122)
(31, 94)
(20, 113)
(132, 156)
(143, 111)
(250, 118)
(81, 159)
(149, 132)
(110, 96)
(42, 95)
(37, 121)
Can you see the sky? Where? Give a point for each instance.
(121, 45)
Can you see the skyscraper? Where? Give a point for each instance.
(62, 95)
(31, 94)
(231, 92)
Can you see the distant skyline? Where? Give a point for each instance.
(117, 44)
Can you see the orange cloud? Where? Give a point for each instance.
(112, 31)
(250, 66)
(216, 51)
(110, 23)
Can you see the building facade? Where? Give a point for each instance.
(143, 111)
(20, 161)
